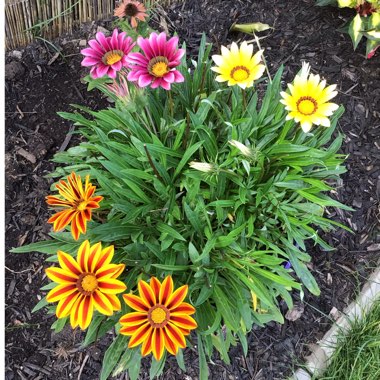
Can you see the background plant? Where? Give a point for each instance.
(366, 23)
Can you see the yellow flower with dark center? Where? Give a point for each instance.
(238, 66)
(162, 319)
(77, 204)
(87, 283)
(308, 100)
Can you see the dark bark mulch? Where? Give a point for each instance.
(34, 133)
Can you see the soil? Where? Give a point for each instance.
(41, 82)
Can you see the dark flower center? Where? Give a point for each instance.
(158, 316)
(365, 9)
(131, 10)
(87, 283)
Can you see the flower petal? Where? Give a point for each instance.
(85, 312)
(109, 271)
(82, 255)
(177, 297)
(135, 302)
(146, 347)
(111, 286)
(74, 314)
(183, 321)
(155, 284)
(183, 308)
(93, 257)
(104, 258)
(175, 335)
(60, 275)
(60, 292)
(115, 302)
(146, 293)
(68, 263)
(65, 305)
(102, 303)
(140, 335)
(158, 343)
(166, 290)
(133, 319)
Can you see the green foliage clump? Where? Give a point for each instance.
(212, 185)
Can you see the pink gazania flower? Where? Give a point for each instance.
(133, 9)
(156, 67)
(107, 55)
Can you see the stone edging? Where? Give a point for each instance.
(318, 361)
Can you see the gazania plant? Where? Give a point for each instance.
(212, 183)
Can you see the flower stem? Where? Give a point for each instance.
(151, 120)
(151, 163)
(187, 131)
(244, 99)
(171, 108)
(264, 61)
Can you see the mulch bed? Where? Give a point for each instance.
(39, 85)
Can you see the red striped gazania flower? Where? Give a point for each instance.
(162, 319)
(87, 283)
(77, 204)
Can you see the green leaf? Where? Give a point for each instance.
(180, 360)
(203, 368)
(186, 157)
(47, 246)
(304, 274)
(354, 30)
(223, 305)
(193, 253)
(157, 367)
(112, 355)
(99, 327)
(59, 324)
(42, 303)
(164, 228)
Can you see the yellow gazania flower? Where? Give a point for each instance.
(86, 283)
(238, 66)
(307, 102)
(161, 319)
(77, 204)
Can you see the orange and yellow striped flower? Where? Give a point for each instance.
(161, 319)
(77, 204)
(86, 283)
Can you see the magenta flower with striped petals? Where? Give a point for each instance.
(156, 67)
(107, 55)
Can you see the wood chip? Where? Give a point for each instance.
(29, 156)
(295, 313)
(11, 287)
(335, 313)
(53, 58)
(373, 247)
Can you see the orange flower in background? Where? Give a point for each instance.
(133, 9)
(161, 319)
(86, 283)
(77, 204)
